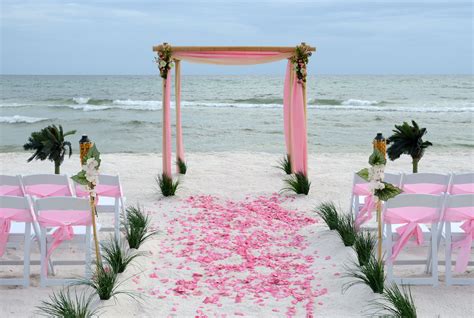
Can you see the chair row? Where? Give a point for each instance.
(436, 218)
(109, 191)
(49, 221)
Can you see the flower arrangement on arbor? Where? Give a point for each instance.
(164, 60)
(89, 178)
(300, 60)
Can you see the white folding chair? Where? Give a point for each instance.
(425, 183)
(50, 209)
(110, 199)
(47, 185)
(411, 211)
(457, 208)
(11, 186)
(17, 212)
(462, 183)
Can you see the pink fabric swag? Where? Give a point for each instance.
(424, 188)
(48, 190)
(365, 213)
(6, 217)
(465, 188)
(103, 190)
(11, 190)
(465, 215)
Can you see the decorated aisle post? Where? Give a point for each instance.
(88, 177)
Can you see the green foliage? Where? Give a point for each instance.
(182, 167)
(328, 212)
(137, 227)
(397, 303)
(408, 140)
(167, 186)
(297, 183)
(364, 174)
(377, 158)
(63, 304)
(364, 246)
(104, 281)
(390, 191)
(372, 274)
(346, 229)
(80, 177)
(49, 143)
(117, 255)
(285, 164)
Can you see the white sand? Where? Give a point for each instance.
(235, 175)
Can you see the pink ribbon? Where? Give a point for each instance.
(413, 217)
(466, 215)
(365, 213)
(11, 190)
(48, 190)
(424, 188)
(465, 188)
(64, 220)
(6, 216)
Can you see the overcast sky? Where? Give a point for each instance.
(352, 37)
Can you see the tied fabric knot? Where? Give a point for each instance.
(62, 233)
(406, 231)
(465, 246)
(365, 214)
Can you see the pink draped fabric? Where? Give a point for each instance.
(48, 190)
(412, 217)
(286, 107)
(179, 131)
(64, 220)
(424, 188)
(231, 57)
(365, 213)
(167, 126)
(11, 190)
(465, 188)
(6, 217)
(102, 190)
(465, 215)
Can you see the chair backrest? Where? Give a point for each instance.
(415, 200)
(462, 183)
(60, 179)
(16, 208)
(462, 178)
(61, 204)
(392, 178)
(425, 183)
(420, 208)
(41, 182)
(14, 202)
(459, 207)
(11, 186)
(110, 181)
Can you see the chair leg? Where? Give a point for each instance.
(389, 263)
(434, 254)
(448, 255)
(26, 255)
(44, 271)
(117, 219)
(88, 251)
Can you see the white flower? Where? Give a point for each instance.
(162, 63)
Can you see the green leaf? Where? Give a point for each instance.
(93, 153)
(364, 174)
(80, 178)
(390, 191)
(377, 158)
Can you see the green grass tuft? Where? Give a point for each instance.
(182, 167)
(397, 303)
(136, 226)
(104, 281)
(328, 212)
(63, 304)
(167, 186)
(364, 246)
(117, 255)
(346, 229)
(297, 183)
(372, 274)
(285, 164)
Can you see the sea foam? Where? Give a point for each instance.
(17, 119)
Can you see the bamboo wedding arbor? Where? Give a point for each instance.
(294, 93)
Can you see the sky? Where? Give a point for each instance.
(352, 37)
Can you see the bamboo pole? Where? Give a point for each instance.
(94, 230)
(280, 49)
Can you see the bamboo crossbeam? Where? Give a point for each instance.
(281, 49)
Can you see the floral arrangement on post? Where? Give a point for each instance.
(164, 60)
(89, 177)
(300, 60)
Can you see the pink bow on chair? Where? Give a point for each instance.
(465, 214)
(365, 213)
(48, 190)
(11, 190)
(412, 217)
(6, 216)
(64, 220)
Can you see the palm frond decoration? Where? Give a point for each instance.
(371, 274)
(49, 144)
(65, 304)
(297, 183)
(328, 212)
(408, 140)
(396, 303)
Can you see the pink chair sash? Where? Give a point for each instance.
(424, 188)
(465, 215)
(64, 220)
(48, 190)
(6, 216)
(103, 190)
(466, 188)
(11, 190)
(412, 217)
(365, 213)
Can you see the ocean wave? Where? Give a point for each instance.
(17, 119)
(359, 102)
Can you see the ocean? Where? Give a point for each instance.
(237, 113)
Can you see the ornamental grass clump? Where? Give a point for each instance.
(167, 186)
(65, 304)
(346, 229)
(285, 164)
(117, 255)
(328, 212)
(396, 303)
(364, 246)
(297, 183)
(137, 226)
(182, 167)
(371, 274)
(104, 281)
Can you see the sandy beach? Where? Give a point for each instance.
(239, 177)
